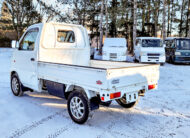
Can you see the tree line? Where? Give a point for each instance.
(110, 18)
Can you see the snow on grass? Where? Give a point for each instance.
(164, 112)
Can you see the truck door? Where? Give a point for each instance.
(25, 58)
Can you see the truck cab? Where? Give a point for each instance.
(177, 50)
(149, 49)
(114, 49)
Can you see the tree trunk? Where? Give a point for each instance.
(164, 20)
(143, 20)
(100, 27)
(106, 8)
(156, 16)
(171, 19)
(181, 21)
(187, 20)
(84, 14)
(148, 16)
(134, 22)
(168, 29)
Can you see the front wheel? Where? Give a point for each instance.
(124, 104)
(16, 85)
(162, 64)
(139, 59)
(78, 107)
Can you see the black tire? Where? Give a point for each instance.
(162, 64)
(74, 110)
(123, 103)
(16, 85)
(139, 59)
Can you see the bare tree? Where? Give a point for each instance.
(164, 20)
(100, 26)
(134, 22)
(24, 13)
(181, 20)
(106, 8)
(188, 18)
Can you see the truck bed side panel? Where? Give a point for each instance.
(74, 75)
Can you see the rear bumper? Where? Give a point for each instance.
(182, 59)
(153, 59)
(125, 90)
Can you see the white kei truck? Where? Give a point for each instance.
(114, 49)
(149, 50)
(55, 57)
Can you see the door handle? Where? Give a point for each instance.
(32, 59)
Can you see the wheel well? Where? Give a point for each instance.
(74, 88)
(13, 72)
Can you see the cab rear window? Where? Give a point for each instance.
(65, 36)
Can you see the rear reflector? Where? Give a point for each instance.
(115, 95)
(102, 98)
(153, 86)
(99, 82)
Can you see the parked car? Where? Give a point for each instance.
(56, 57)
(114, 49)
(150, 50)
(177, 50)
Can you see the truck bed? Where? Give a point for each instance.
(100, 75)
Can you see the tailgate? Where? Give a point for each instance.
(122, 77)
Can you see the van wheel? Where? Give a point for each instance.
(16, 85)
(139, 59)
(124, 104)
(162, 64)
(78, 107)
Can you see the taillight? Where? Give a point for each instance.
(102, 98)
(153, 86)
(115, 95)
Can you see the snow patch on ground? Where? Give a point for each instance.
(164, 112)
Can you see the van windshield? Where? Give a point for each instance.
(151, 43)
(183, 44)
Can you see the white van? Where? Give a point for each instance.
(149, 49)
(114, 49)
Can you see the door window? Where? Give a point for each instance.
(28, 41)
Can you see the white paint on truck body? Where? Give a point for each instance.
(69, 63)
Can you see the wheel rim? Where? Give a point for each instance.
(77, 107)
(15, 85)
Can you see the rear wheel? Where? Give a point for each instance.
(124, 104)
(78, 107)
(16, 85)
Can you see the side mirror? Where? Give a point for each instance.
(164, 45)
(138, 45)
(14, 44)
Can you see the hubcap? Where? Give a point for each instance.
(15, 85)
(77, 107)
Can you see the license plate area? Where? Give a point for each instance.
(131, 97)
(113, 55)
